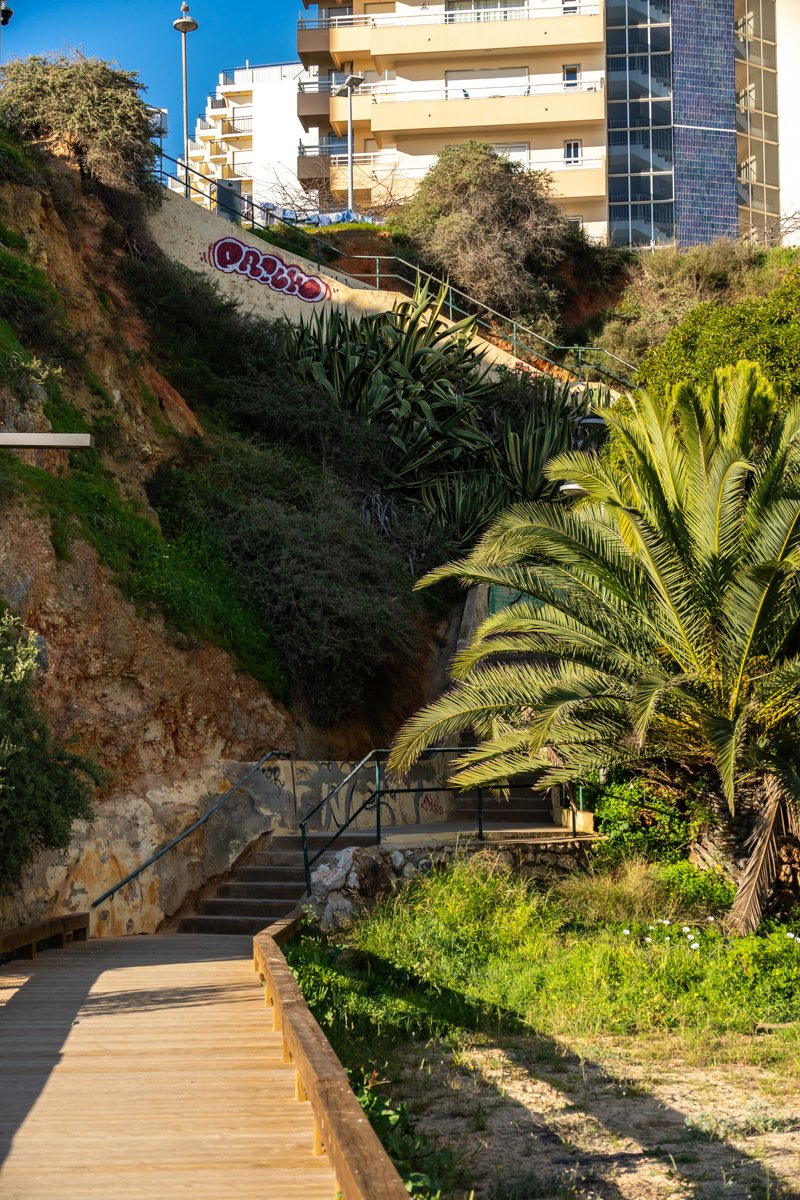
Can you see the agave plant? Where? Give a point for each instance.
(663, 630)
(419, 377)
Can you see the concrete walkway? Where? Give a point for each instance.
(148, 1067)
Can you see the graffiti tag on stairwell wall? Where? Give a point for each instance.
(233, 257)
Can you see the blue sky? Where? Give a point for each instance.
(140, 37)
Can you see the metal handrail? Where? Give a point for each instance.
(374, 796)
(543, 349)
(518, 12)
(191, 829)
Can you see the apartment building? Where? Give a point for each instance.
(657, 119)
(247, 138)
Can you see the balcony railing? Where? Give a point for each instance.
(217, 102)
(449, 91)
(385, 90)
(387, 160)
(238, 125)
(517, 12)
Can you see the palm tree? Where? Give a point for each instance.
(662, 619)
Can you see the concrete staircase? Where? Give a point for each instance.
(523, 808)
(266, 886)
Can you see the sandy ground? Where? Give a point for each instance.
(532, 1118)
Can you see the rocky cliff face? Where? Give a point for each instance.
(159, 715)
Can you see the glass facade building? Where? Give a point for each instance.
(692, 120)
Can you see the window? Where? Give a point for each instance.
(748, 170)
(569, 6)
(571, 75)
(575, 222)
(573, 152)
(746, 98)
(515, 151)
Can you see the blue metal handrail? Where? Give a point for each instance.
(191, 829)
(393, 268)
(373, 798)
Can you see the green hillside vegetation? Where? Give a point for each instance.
(44, 786)
(634, 958)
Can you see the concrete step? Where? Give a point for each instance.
(265, 875)
(236, 907)
(217, 924)
(262, 891)
(529, 816)
(293, 843)
(283, 869)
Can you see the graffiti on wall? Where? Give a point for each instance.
(233, 257)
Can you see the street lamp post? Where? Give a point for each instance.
(185, 24)
(350, 83)
(6, 14)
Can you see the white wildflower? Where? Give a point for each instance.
(650, 927)
(790, 935)
(686, 929)
(694, 946)
(626, 932)
(648, 939)
(709, 918)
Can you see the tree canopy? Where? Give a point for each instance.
(661, 629)
(88, 107)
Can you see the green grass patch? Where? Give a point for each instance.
(638, 953)
(185, 577)
(14, 241)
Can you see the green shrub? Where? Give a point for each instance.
(28, 301)
(92, 108)
(14, 241)
(763, 330)
(44, 787)
(15, 161)
(334, 593)
(637, 821)
(694, 887)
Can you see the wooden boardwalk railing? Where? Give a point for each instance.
(362, 1167)
(144, 1066)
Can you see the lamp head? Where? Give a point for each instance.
(185, 23)
(6, 13)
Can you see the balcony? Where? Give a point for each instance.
(450, 110)
(386, 171)
(391, 38)
(577, 179)
(313, 104)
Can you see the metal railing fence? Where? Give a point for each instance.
(391, 272)
(173, 842)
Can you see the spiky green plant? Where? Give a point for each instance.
(664, 622)
(422, 379)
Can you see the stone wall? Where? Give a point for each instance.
(128, 829)
(346, 881)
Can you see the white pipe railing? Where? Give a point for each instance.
(520, 12)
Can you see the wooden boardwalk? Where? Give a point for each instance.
(148, 1067)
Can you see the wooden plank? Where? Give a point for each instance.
(142, 1066)
(54, 929)
(362, 1167)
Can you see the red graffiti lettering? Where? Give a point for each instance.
(226, 254)
(251, 264)
(431, 805)
(230, 255)
(311, 289)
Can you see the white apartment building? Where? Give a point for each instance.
(250, 132)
